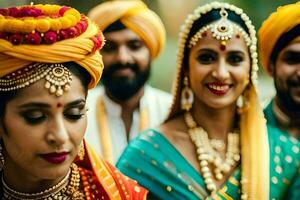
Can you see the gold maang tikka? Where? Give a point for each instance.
(57, 77)
(222, 30)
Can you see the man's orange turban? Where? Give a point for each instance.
(49, 34)
(280, 22)
(136, 16)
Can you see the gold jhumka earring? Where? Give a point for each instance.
(187, 96)
(242, 102)
(81, 152)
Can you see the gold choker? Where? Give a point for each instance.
(66, 189)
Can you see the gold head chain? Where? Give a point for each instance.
(57, 76)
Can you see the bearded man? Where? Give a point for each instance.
(279, 40)
(124, 104)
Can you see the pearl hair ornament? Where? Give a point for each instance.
(222, 30)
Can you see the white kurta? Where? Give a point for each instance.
(157, 103)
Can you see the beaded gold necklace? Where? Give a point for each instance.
(66, 189)
(208, 154)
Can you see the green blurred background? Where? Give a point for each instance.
(173, 13)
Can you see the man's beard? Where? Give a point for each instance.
(285, 95)
(122, 88)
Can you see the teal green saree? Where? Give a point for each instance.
(285, 160)
(157, 165)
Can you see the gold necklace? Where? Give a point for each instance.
(66, 189)
(207, 154)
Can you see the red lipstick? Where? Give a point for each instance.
(55, 158)
(218, 88)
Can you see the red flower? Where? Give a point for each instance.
(3, 11)
(31, 12)
(97, 42)
(34, 38)
(79, 28)
(100, 38)
(63, 34)
(63, 9)
(3, 35)
(16, 38)
(14, 12)
(72, 32)
(83, 24)
(50, 37)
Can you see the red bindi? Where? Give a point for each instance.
(59, 105)
(223, 46)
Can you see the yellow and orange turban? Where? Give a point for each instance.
(49, 34)
(136, 16)
(280, 22)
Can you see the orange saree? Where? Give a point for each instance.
(101, 180)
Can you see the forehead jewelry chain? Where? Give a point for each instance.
(57, 76)
(58, 80)
(222, 30)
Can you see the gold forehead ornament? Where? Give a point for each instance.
(222, 30)
(57, 77)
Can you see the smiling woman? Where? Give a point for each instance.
(48, 61)
(212, 145)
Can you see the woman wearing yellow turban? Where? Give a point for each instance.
(49, 58)
(279, 45)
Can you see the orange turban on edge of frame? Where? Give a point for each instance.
(280, 22)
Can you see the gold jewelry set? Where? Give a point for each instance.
(221, 30)
(67, 189)
(208, 150)
(209, 155)
(57, 76)
(224, 30)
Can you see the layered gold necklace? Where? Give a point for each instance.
(209, 152)
(66, 189)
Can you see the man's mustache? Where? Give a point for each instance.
(293, 83)
(118, 66)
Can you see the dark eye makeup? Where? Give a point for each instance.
(36, 113)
